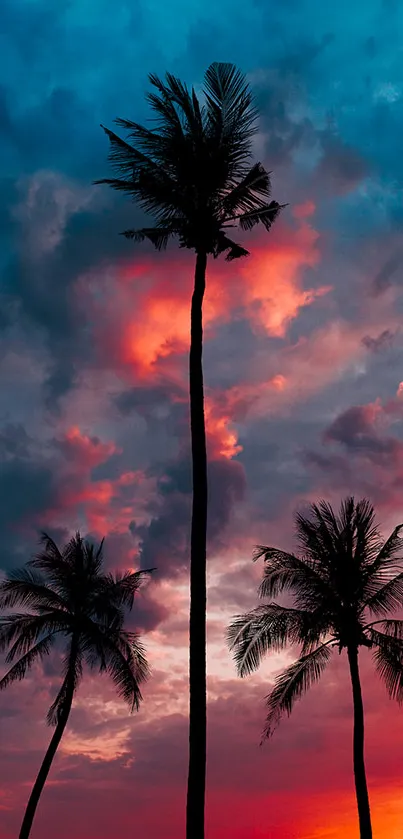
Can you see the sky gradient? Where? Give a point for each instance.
(304, 396)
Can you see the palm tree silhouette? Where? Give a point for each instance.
(193, 174)
(345, 576)
(69, 595)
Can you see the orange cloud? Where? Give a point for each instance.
(305, 210)
(141, 310)
(273, 276)
(87, 451)
(162, 328)
(222, 441)
(103, 505)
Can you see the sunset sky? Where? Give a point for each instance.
(304, 396)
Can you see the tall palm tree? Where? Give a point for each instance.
(192, 172)
(70, 596)
(345, 576)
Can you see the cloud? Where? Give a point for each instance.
(382, 341)
(369, 459)
(356, 429)
(383, 278)
(303, 359)
(341, 168)
(44, 210)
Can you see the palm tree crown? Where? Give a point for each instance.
(192, 171)
(344, 583)
(69, 596)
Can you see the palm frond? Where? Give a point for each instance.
(392, 546)
(292, 684)
(262, 215)
(19, 632)
(168, 118)
(113, 595)
(389, 627)
(234, 250)
(142, 178)
(368, 542)
(130, 187)
(158, 236)
(122, 587)
(127, 665)
(52, 564)
(50, 548)
(127, 160)
(284, 571)
(28, 588)
(187, 103)
(388, 597)
(254, 188)
(385, 566)
(267, 628)
(109, 648)
(230, 105)
(318, 534)
(388, 657)
(18, 671)
(149, 142)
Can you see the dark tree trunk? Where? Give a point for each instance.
(361, 789)
(48, 759)
(198, 590)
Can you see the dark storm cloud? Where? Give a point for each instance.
(67, 240)
(227, 489)
(341, 167)
(165, 542)
(381, 342)
(383, 278)
(368, 460)
(356, 430)
(149, 402)
(26, 489)
(14, 441)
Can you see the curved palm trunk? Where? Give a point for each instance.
(52, 749)
(41, 779)
(198, 589)
(361, 789)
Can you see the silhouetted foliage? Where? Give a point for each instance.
(192, 173)
(67, 595)
(344, 582)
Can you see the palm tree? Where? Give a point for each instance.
(192, 173)
(345, 576)
(69, 595)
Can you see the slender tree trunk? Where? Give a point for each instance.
(198, 588)
(42, 776)
(53, 745)
(361, 789)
